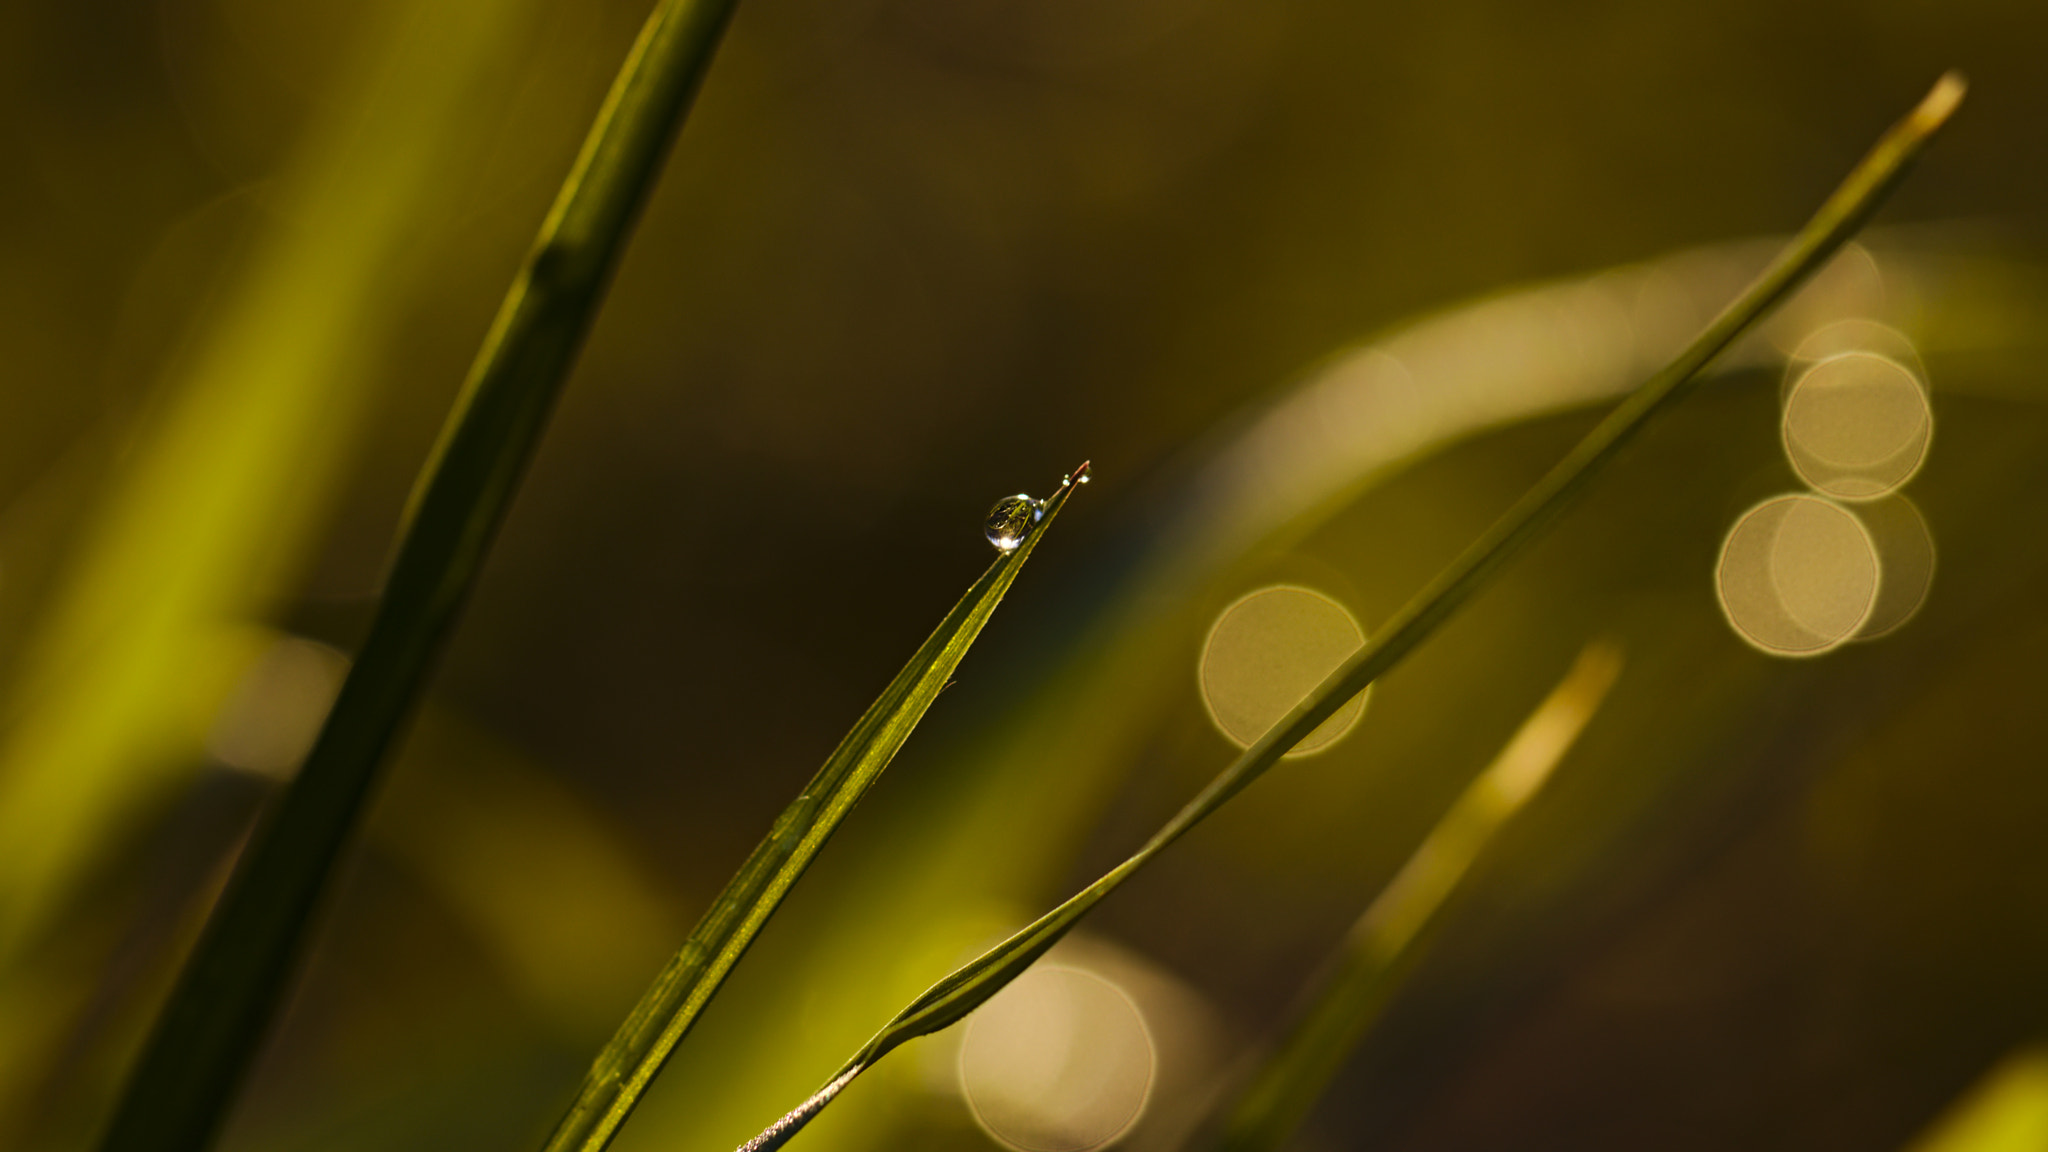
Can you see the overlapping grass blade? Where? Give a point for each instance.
(229, 989)
(969, 986)
(1388, 939)
(670, 1006)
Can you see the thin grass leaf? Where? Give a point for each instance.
(969, 986)
(671, 1005)
(221, 1007)
(1389, 938)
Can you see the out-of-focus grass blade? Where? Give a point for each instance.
(1389, 939)
(212, 510)
(666, 1011)
(2005, 1112)
(230, 987)
(971, 985)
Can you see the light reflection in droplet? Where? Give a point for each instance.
(1060, 1061)
(1266, 652)
(269, 723)
(1798, 575)
(1905, 552)
(1010, 519)
(1857, 425)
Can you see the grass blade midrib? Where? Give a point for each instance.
(225, 998)
(1838, 218)
(671, 1005)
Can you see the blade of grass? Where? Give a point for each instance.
(969, 986)
(208, 516)
(1388, 940)
(671, 1005)
(219, 1011)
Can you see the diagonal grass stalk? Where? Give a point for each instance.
(208, 1034)
(1851, 204)
(623, 1071)
(1387, 941)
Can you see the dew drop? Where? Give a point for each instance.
(1010, 519)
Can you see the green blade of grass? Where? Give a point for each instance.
(208, 1033)
(969, 986)
(623, 1071)
(1388, 939)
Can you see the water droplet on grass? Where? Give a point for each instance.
(1010, 519)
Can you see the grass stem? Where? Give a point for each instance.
(228, 992)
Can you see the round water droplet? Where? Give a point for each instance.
(1010, 519)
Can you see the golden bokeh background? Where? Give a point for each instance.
(913, 255)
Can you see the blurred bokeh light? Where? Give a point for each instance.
(1798, 575)
(1857, 425)
(1269, 649)
(1061, 1060)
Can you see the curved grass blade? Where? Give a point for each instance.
(208, 1033)
(969, 986)
(1388, 940)
(671, 1005)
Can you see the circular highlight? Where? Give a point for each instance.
(1798, 576)
(1905, 552)
(1857, 425)
(1853, 335)
(270, 721)
(1267, 651)
(1059, 1061)
(1850, 285)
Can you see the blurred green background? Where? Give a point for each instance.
(912, 255)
